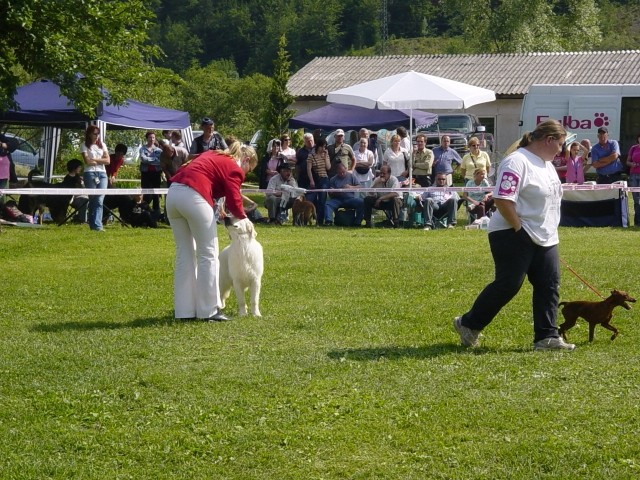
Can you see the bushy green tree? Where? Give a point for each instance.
(277, 113)
(83, 45)
(217, 91)
(500, 26)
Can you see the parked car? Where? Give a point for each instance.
(460, 127)
(22, 152)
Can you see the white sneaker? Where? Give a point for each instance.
(427, 228)
(468, 337)
(553, 343)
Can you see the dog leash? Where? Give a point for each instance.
(580, 278)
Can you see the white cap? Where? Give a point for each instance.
(339, 132)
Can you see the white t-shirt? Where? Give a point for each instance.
(95, 153)
(396, 161)
(533, 185)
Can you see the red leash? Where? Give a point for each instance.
(580, 278)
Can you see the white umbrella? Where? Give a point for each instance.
(412, 90)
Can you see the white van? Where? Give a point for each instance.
(583, 109)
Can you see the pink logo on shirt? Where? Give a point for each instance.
(508, 184)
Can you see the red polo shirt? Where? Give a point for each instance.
(214, 175)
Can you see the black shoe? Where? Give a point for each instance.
(218, 317)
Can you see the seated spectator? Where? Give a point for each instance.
(318, 167)
(73, 179)
(440, 203)
(270, 162)
(390, 201)
(280, 200)
(422, 160)
(343, 179)
(140, 214)
(116, 160)
(473, 160)
(397, 158)
(479, 204)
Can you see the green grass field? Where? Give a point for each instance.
(354, 371)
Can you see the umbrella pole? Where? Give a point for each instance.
(410, 147)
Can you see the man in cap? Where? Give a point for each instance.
(209, 140)
(280, 200)
(606, 158)
(340, 151)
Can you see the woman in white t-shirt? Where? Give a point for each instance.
(96, 156)
(362, 167)
(523, 236)
(397, 158)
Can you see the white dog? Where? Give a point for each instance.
(241, 265)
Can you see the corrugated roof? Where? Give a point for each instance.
(508, 74)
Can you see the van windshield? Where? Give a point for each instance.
(451, 123)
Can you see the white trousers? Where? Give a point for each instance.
(195, 285)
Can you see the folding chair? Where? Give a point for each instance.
(75, 207)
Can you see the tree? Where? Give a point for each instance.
(82, 45)
(277, 114)
(500, 26)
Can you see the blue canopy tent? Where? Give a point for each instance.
(41, 104)
(350, 117)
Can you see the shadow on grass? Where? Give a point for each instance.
(395, 352)
(102, 325)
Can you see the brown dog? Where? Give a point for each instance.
(594, 313)
(303, 212)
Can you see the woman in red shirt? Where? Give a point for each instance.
(190, 208)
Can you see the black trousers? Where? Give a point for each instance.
(516, 256)
(151, 180)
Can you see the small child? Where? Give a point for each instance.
(141, 215)
(73, 179)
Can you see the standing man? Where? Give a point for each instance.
(209, 140)
(444, 158)
(301, 160)
(422, 161)
(342, 152)
(606, 158)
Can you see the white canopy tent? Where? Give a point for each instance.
(412, 90)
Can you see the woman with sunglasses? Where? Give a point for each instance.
(475, 159)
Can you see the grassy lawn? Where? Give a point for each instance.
(353, 372)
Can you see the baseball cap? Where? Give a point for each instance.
(603, 130)
(339, 132)
(206, 121)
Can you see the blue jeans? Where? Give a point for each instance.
(634, 181)
(333, 204)
(97, 180)
(516, 256)
(320, 198)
